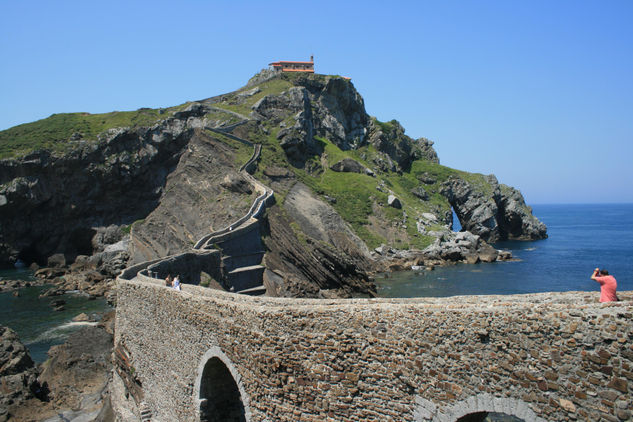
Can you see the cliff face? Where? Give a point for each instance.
(51, 203)
(345, 183)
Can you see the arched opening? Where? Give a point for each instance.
(479, 408)
(489, 417)
(456, 225)
(220, 398)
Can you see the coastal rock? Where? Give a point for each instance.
(79, 367)
(50, 273)
(74, 380)
(461, 246)
(15, 285)
(18, 374)
(57, 260)
(496, 212)
(516, 218)
(82, 317)
(104, 237)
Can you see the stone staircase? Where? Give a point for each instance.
(242, 255)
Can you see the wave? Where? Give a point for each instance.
(60, 332)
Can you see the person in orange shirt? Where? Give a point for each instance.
(608, 285)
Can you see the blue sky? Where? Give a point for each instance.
(540, 93)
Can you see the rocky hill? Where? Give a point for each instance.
(353, 194)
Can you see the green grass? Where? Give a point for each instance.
(53, 133)
(356, 193)
(386, 127)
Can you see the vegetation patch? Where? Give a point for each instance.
(59, 133)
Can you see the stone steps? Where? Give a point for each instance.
(254, 291)
(244, 278)
(232, 262)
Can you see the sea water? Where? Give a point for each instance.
(33, 318)
(581, 238)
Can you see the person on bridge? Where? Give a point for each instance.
(176, 283)
(608, 285)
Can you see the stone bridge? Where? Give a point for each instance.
(204, 354)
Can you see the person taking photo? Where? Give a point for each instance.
(608, 285)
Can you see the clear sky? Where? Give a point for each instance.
(540, 93)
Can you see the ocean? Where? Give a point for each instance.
(581, 238)
(34, 320)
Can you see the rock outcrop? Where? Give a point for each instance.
(494, 212)
(79, 368)
(461, 246)
(390, 139)
(348, 165)
(18, 374)
(330, 108)
(70, 385)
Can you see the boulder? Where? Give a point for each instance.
(82, 317)
(53, 291)
(427, 179)
(18, 374)
(394, 202)
(236, 183)
(57, 260)
(487, 253)
(348, 165)
(50, 273)
(460, 247)
(275, 172)
(105, 236)
(420, 193)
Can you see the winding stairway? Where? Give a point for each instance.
(240, 242)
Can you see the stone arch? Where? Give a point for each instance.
(489, 403)
(473, 406)
(219, 391)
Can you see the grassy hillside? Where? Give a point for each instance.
(54, 133)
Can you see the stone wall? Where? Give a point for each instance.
(554, 356)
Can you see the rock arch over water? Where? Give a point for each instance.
(220, 394)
